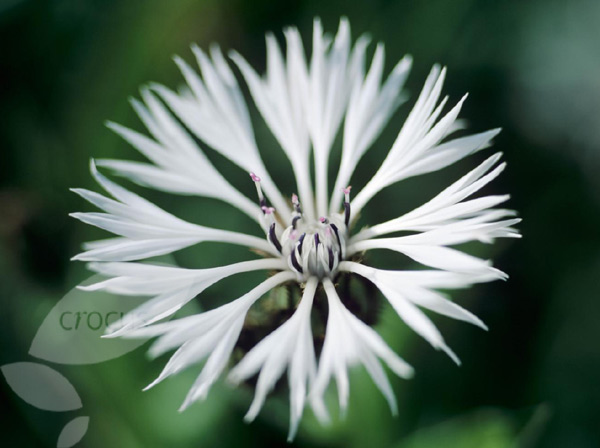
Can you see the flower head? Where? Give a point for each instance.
(309, 238)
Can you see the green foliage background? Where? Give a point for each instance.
(531, 67)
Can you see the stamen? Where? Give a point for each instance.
(261, 196)
(300, 243)
(324, 252)
(347, 204)
(295, 262)
(331, 257)
(295, 220)
(347, 192)
(296, 204)
(273, 238)
(337, 235)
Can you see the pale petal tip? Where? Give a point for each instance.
(178, 59)
(153, 383)
(78, 191)
(112, 125)
(407, 59)
(233, 379)
(451, 354)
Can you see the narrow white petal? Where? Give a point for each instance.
(211, 334)
(417, 320)
(438, 257)
(283, 109)
(369, 109)
(419, 138)
(348, 341)
(172, 287)
(401, 287)
(216, 113)
(289, 346)
(130, 219)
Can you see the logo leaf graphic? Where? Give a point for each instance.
(71, 332)
(41, 386)
(73, 432)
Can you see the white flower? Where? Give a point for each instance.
(308, 240)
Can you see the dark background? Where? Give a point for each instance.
(531, 67)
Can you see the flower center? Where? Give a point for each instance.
(311, 248)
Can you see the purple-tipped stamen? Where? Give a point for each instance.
(337, 236)
(273, 238)
(331, 257)
(259, 192)
(295, 262)
(295, 220)
(300, 243)
(347, 204)
(296, 203)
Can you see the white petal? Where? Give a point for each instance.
(172, 287)
(216, 113)
(183, 166)
(417, 287)
(212, 334)
(130, 219)
(349, 341)
(438, 257)
(416, 320)
(417, 139)
(458, 221)
(370, 108)
(289, 346)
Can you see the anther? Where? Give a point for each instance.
(295, 262)
(273, 238)
(337, 236)
(295, 220)
(347, 204)
(347, 192)
(296, 203)
(331, 257)
(300, 243)
(261, 197)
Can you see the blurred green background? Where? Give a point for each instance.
(531, 67)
